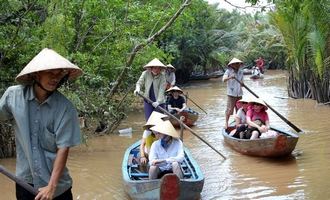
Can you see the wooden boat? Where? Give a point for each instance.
(216, 74)
(190, 115)
(247, 71)
(199, 77)
(139, 187)
(257, 76)
(281, 145)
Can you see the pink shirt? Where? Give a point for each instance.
(252, 115)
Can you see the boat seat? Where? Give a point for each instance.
(140, 175)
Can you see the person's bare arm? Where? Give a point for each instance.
(59, 165)
(184, 106)
(143, 157)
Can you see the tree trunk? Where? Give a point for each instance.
(7, 141)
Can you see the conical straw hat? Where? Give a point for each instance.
(47, 59)
(170, 66)
(245, 99)
(174, 88)
(259, 101)
(155, 63)
(155, 118)
(235, 60)
(165, 128)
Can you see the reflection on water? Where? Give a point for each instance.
(96, 168)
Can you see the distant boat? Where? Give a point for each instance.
(257, 76)
(216, 74)
(247, 71)
(139, 187)
(199, 77)
(281, 145)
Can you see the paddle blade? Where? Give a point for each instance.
(169, 187)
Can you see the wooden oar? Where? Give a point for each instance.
(278, 114)
(19, 181)
(181, 123)
(195, 103)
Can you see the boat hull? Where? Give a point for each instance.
(261, 76)
(139, 187)
(281, 145)
(190, 118)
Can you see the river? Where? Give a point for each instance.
(96, 167)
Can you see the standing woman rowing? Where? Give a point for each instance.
(153, 81)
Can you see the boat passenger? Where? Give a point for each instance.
(256, 71)
(260, 63)
(257, 119)
(166, 154)
(234, 88)
(240, 119)
(176, 102)
(148, 136)
(170, 76)
(153, 81)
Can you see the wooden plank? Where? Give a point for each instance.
(169, 187)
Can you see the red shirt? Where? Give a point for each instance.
(253, 115)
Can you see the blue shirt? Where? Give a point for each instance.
(40, 129)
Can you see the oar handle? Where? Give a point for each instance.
(277, 113)
(181, 123)
(19, 181)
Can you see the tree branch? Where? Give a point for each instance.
(142, 45)
(253, 6)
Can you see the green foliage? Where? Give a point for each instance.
(305, 30)
(99, 36)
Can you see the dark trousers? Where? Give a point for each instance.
(23, 194)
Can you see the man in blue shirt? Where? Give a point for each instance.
(46, 125)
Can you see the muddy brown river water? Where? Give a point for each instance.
(96, 167)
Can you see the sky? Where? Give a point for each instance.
(239, 3)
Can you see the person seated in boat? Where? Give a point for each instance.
(260, 63)
(256, 71)
(170, 76)
(166, 154)
(176, 102)
(148, 136)
(240, 118)
(257, 119)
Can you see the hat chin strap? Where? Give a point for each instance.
(62, 81)
(39, 85)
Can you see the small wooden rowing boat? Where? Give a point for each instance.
(281, 145)
(257, 76)
(138, 186)
(190, 118)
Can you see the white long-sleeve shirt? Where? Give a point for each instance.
(173, 153)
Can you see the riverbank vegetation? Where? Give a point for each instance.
(112, 40)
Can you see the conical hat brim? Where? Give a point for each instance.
(245, 99)
(259, 101)
(165, 128)
(47, 59)
(170, 66)
(155, 63)
(175, 88)
(154, 119)
(235, 60)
